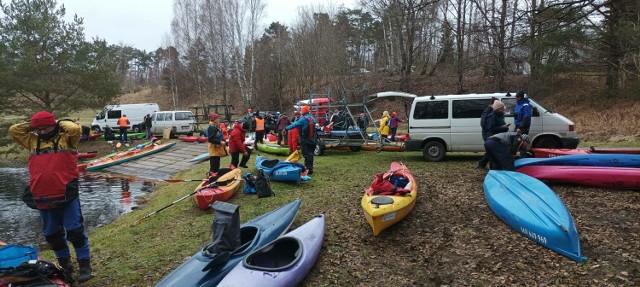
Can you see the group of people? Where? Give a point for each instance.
(388, 125)
(501, 144)
(302, 127)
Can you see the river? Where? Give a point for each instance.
(103, 197)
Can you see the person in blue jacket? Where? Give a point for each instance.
(522, 113)
(306, 123)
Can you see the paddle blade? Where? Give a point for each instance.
(294, 157)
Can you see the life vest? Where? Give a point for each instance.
(123, 122)
(225, 131)
(259, 124)
(54, 175)
(310, 131)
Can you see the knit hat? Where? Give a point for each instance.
(520, 94)
(296, 113)
(497, 105)
(305, 109)
(42, 119)
(213, 117)
(394, 113)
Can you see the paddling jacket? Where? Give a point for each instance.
(53, 164)
(483, 121)
(215, 138)
(384, 126)
(522, 113)
(236, 139)
(394, 121)
(306, 124)
(511, 139)
(494, 124)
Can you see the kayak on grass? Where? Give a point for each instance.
(598, 176)
(221, 189)
(278, 170)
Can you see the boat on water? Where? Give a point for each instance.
(381, 209)
(272, 148)
(221, 189)
(278, 170)
(607, 159)
(598, 176)
(531, 208)
(207, 269)
(283, 262)
(126, 156)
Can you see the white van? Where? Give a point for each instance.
(135, 113)
(180, 122)
(451, 123)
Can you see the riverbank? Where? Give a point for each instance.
(450, 238)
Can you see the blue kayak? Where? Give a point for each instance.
(278, 170)
(283, 262)
(613, 160)
(200, 158)
(254, 234)
(530, 207)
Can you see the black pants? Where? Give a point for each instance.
(485, 158)
(236, 155)
(393, 133)
(123, 134)
(307, 146)
(500, 154)
(259, 136)
(283, 136)
(214, 164)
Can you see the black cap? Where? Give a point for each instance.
(520, 94)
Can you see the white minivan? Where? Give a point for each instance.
(180, 122)
(135, 113)
(451, 123)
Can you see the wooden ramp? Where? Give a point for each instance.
(162, 165)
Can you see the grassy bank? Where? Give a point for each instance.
(450, 238)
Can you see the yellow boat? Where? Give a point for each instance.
(382, 209)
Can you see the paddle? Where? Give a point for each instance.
(185, 180)
(176, 201)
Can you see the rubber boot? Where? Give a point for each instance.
(66, 264)
(85, 270)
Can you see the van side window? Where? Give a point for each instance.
(466, 109)
(168, 116)
(114, 114)
(182, 116)
(509, 104)
(431, 110)
(160, 117)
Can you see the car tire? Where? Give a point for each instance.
(547, 142)
(96, 129)
(319, 150)
(433, 151)
(355, 148)
(136, 128)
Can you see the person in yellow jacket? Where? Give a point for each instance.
(217, 145)
(53, 187)
(383, 130)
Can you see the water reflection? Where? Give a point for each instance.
(103, 197)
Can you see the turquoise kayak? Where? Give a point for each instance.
(126, 156)
(254, 234)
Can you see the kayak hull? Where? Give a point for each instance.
(278, 170)
(283, 262)
(607, 177)
(531, 208)
(613, 160)
(191, 139)
(272, 148)
(381, 217)
(205, 196)
(127, 156)
(254, 234)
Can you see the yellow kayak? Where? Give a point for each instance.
(384, 204)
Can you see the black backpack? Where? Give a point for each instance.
(263, 185)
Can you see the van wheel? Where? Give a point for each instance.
(433, 151)
(355, 148)
(548, 142)
(136, 128)
(97, 129)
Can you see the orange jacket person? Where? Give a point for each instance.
(53, 187)
(123, 124)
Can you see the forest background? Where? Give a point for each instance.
(581, 57)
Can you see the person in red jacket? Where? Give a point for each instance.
(236, 144)
(53, 188)
(293, 135)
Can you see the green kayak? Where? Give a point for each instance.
(273, 148)
(129, 135)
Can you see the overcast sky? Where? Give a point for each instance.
(143, 24)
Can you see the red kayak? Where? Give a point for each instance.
(607, 177)
(191, 139)
(552, 152)
(402, 137)
(93, 136)
(221, 190)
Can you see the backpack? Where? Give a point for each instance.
(263, 185)
(250, 183)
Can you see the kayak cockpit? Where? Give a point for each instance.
(279, 255)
